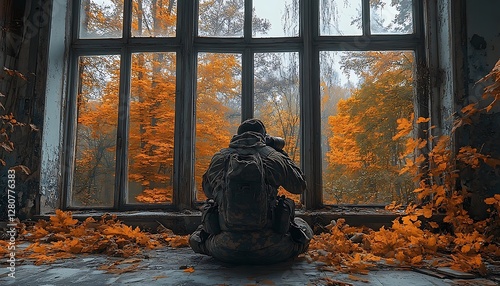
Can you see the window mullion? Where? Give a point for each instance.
(121, 174)
(366, 18)
(247, 88)
(127, 20)
(185, 124)
(71, 109)
(247, 71)
(76, 18)
(247, 27)
(71, 115)
(310, 105)
(121, 185)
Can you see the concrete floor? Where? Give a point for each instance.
(167, 266)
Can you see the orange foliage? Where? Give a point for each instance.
(63, 237)
(152, 109)
(495, 201)
(405, 243)
(218, 87)
(368, 133)
(9, 126)
(492, 91)
(410, 241)
(338, 251)
(151, 139)
(4, 247)
(155, 196)
(294, 197)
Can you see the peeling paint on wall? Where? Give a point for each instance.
(49, 186)
(52, 140)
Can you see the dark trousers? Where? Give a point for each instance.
(255, 247)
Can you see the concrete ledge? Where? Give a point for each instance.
(187, 221)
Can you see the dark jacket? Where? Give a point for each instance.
(256, 246)
(280, 170)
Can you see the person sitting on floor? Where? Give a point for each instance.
(244, 220)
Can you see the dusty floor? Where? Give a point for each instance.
(170, 266)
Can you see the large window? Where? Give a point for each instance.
(157, 87)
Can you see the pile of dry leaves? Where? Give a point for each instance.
(62, 236)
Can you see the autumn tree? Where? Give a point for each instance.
(152, 101)
(102, 20)
(277, 97)
(363, 159)
(151, 107)
(152, 117)
(402, 21)
(217, 108)
(97, 108)
(225, 18)
(386, 16)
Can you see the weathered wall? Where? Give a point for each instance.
(23, 43)
(51, 168)
(483, 41)
(482, 45)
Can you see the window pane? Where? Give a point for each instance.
(340, 18)
(391, 16)
(101, 19)
(152, 18)
(277, 18)
(218, 107)
(277, 99)
(97, 106)
(363, 96)
(221, 18)
(151, 132)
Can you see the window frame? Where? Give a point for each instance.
(187, 45)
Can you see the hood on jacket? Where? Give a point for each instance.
(249, 139)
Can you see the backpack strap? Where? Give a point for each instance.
(265, 151)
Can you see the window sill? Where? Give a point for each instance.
(187, 221)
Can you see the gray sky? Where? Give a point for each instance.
(273, 11)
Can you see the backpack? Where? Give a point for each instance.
(245, 202)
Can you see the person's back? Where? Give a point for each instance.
(244, 221)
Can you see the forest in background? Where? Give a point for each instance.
(364, 94)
